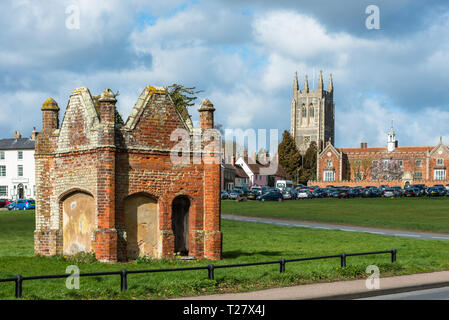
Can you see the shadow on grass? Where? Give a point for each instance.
(239, 253)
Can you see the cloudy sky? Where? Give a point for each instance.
(242, 53)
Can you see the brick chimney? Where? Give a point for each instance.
(206, 110)
(34, 134)
(50, 114)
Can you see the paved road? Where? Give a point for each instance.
(328, 226)
(429, 294)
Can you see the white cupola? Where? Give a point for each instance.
(391, 143)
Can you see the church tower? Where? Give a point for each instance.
(312, 114)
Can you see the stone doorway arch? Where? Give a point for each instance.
(78, 219)
(141, 225)
(180, 224)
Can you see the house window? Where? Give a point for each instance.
(401, 163)
(329, 175)
(3, 191)
(2, 171)
(440, 161)
(2, 155)
(418, 163)
(20, 170)
(329, 163)
(439, 174)
(34, 191)
(20, 155)
(417, 175)
(375, 162)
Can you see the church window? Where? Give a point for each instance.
(440, 161)
(304, 111)
(418, 163)
(311, 111)
(329, 163)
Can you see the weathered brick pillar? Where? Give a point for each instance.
(47, 241)
(106, 237)
(212, 173)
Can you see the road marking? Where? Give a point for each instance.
(375, 232)
(445, 238)
(407, 235)
(349, 230)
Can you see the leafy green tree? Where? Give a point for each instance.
(310, 163)
(182, 96)
(289, 156)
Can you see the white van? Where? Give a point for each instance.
(284, 184)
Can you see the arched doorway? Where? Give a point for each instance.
(141, 224)
(78, 223)
(180, 224)
(20, 191)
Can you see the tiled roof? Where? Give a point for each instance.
(384, 149)
(16, 144)
(239, 172)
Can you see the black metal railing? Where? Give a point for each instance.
(210, 269)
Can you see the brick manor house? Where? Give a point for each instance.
(110, 187)
(313, 118)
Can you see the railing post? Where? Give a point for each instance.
(343, 260)
(393, 255)
(210, 269)
(19, 280)
(282, 265)
(123, 280)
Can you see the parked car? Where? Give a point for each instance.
(290, 194)
(252, 195)
(433, 192)
(271, 196)
(390, 193)
(398, 190)
(4, 203)
(304, 193)
(224, 195)
(355, 192)
(411, 192)
(339, 193)
(319, 193)
(259, 190)
(370, 192)
(382, 188)
(235, 193)
(22, 204)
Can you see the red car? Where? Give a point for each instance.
(4, 202)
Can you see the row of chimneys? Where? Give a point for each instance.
(18, 135)
(364, 145)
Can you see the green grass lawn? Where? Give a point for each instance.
(423, 214)
(242, 242)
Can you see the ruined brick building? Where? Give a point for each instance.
(110, 187)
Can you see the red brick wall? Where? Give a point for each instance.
(93, 154)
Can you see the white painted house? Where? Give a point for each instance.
(17, 178)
